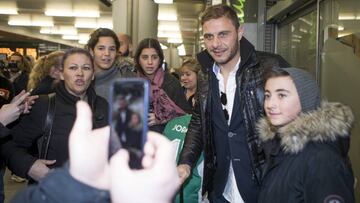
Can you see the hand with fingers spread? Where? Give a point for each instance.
(158, 181)
(88, 150)
(21, 103)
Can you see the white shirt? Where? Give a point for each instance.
(231, 192)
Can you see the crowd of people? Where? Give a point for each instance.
(265, 134)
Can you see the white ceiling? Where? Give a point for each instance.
(187, 11)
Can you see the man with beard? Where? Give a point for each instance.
(228, 104)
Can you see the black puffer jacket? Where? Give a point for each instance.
(250, 84)
(30, 128)
(307, 159)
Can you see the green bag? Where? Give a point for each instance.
(175, 131)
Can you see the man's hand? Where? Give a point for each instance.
(88, 150)
(21, 103)
(184, 172)
(157, 182)
(39, 169)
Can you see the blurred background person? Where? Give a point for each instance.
(45, 74)
(19, 70)
(77, 74)
(125, 59)
(167, 98)
(188, 77)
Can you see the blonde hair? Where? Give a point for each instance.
(42, 68)
(191, 64)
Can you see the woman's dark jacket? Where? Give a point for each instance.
(249, 80)
(307, 159)
(30, 128)
(173, 89)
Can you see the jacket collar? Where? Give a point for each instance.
(330, 121)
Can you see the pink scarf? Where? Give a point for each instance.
(164, 108)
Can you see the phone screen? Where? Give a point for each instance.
(128, 117)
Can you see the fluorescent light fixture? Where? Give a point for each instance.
(168, 34)
(30, 20)
(70, 13)
(70, 37)
(8, 7)
(82, 41)
(167, 12)
(181, 50)
(66, 8)
(168, 26)
(175, 40)
(59, 30)
(104, 22)
(39, 20)
(163, 1)
(347, 17)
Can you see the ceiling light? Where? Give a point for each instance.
(163, 1)
(168, 26)
(59, 30)
(347, 17)
(66, 9)
(167, 12)
(175, 40)
(104, 22)
(70, 37)
(8, 8)
(82, 41)
(181, 50)
(30, 20)
(169, 34)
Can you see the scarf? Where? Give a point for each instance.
(164, 108)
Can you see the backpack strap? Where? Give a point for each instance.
(48, 127)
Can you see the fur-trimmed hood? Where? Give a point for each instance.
(330, 121)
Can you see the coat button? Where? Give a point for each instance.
(231, 134)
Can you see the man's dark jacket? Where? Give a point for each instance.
(250, 84)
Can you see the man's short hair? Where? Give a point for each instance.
(218, 11)
(101, 32)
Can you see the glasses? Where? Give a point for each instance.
(223, 100)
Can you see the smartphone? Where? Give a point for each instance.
(129, 105)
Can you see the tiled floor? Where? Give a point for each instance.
(11, 187)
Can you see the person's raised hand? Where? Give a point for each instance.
(10, 112)
(88, 150)
(157, 182)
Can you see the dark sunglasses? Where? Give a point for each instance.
(223, 100)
